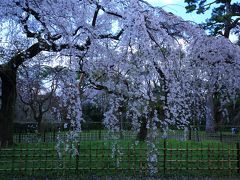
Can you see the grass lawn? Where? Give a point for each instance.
(103, 135)
(122, 157)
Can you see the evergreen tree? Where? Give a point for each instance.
(225, 15)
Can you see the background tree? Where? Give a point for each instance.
(224, 21)
(225, 15)
(37, 86)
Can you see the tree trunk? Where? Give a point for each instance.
(210, 120)
(7, 111)
(142, 135)
(236, 119)
(39, 127)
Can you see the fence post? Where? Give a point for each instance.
(54, 135)
(44, 136)
(99, 134)
(221, 135)
(77, 157)
(186, 156)
(164, 155)
(19, 137)
(190, 133)
(90, 158)
(13, 158)
(238, 158)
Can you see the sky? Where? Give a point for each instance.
(177, 7)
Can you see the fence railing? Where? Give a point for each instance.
(89, 135)
(126, 159)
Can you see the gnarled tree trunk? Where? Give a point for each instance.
(210, 117)
(142, 134)
(7, 111)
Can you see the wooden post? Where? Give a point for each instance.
(171, 155)
(116, 160)
(238, 158)
(44, 136)
(46, 159)
(140, 159)
(190, 133)
(221, 135)
(54, 135)
(26, 158)
(229, 160)
(103, 155)
(77, 157)
(19, 137)
(128, 157)
(135, 160)
(99, 134)
(164, 155)
(13, 158)
(90, 158)
(209, 157)
(186, 156)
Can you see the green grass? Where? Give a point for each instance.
(94, 135)
(208, 158)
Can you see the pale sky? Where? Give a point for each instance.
(164, 1)
(177, 7)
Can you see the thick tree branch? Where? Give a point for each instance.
(111, 36)
(95, 16)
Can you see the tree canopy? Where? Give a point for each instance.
(128, 50)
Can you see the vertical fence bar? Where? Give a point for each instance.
(54, 135)
(171, 156)
(77, 157)
(209, 157)
(128, 157)
(90, 156)
(238, 158)
(64, 161)
(46, 159)
(108, 156)
(190, 133)
(221, 136)
(135, 160)
(177, 157)
(19, 137)
(164, 155)
(191, 158)
(33, 162)
(202, 159)
(26, 157)
(44, 136)
(222, 167)
(229, 160)
(232, 157)
(96, 155)
(103, 160)
(212, 157)
(140, 158)
(13, 158)
(20, 159)
(218, 150)
(116, 160)
(186, 156)
(99, 134)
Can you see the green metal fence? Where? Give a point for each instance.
(125, 159)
